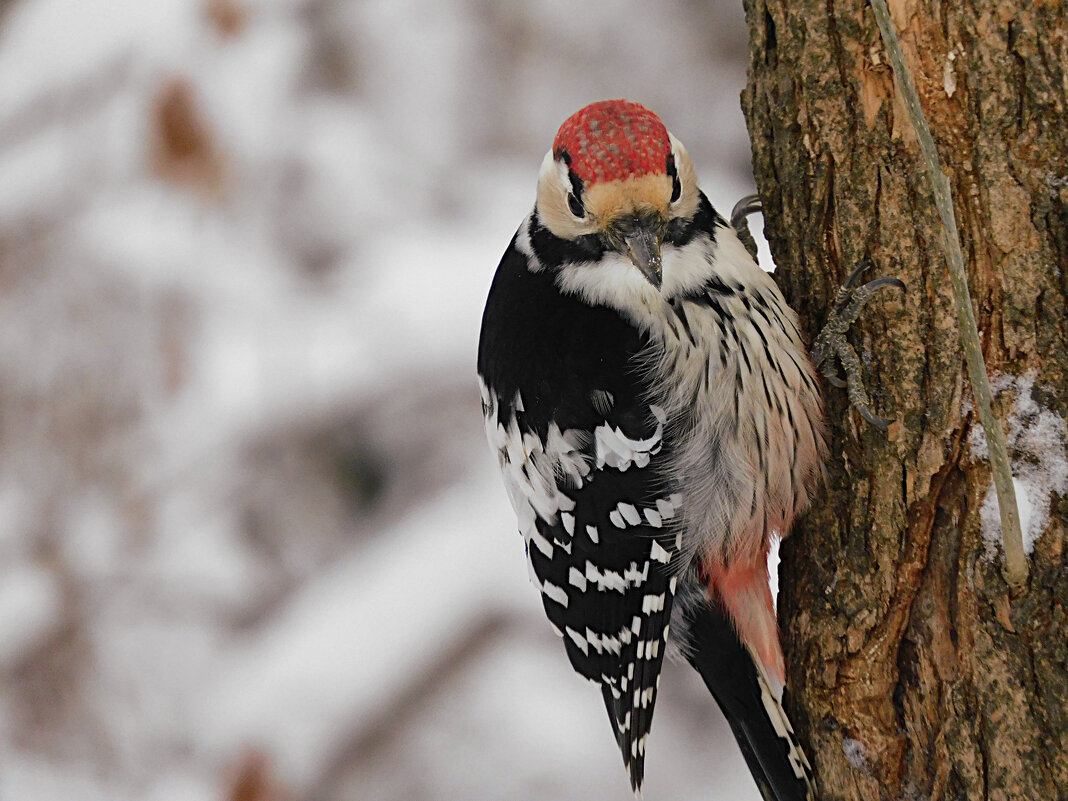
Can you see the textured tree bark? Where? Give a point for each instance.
(913, 671)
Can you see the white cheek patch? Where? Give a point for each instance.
(616, 283)
(687, 269)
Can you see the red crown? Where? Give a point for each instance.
(613, 139)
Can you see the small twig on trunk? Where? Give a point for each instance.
(1015, 568)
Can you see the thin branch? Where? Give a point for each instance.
(1015, 567)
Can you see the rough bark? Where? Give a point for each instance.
(913, 671)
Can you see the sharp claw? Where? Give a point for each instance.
(848, 304)
(879, 283)
(873, 286)
(750, 204)
(742, 209)
(879, 422)
(862, 265)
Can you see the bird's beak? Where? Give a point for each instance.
(643, 248)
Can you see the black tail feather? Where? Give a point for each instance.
(633, 758)
(759, 723)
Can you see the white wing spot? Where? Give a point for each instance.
(657, 552)
(541, 543)
(653, 603)
(555, 593)
(568, 520)
(630, 514)
(579, 640)
(576, 579)
(609, 579)
(634, 576)
(615, 449)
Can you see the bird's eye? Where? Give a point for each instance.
(575, 205)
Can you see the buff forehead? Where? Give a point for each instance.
(612, 140)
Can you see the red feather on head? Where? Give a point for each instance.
(613, 139)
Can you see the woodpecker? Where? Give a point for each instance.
(657, 421)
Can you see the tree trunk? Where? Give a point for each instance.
(913, 672)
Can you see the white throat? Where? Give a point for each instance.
(616, 283)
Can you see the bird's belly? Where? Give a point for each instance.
(745, 410)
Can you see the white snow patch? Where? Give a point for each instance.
(856, 753)
(1038, 447)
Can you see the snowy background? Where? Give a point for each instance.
(252, 544)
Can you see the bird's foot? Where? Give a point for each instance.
(750, 204)
(831, 341)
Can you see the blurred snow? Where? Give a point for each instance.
(252, 545)
(29, 611)
(1038, 448)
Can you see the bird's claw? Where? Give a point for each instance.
(848, 304)
(831, 341)
(750, 204)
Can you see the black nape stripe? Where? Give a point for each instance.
(681, 231)
(673, 173)
(576, 182)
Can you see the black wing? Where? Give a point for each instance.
(583, 455)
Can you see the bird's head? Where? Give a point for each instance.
(615, 173)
